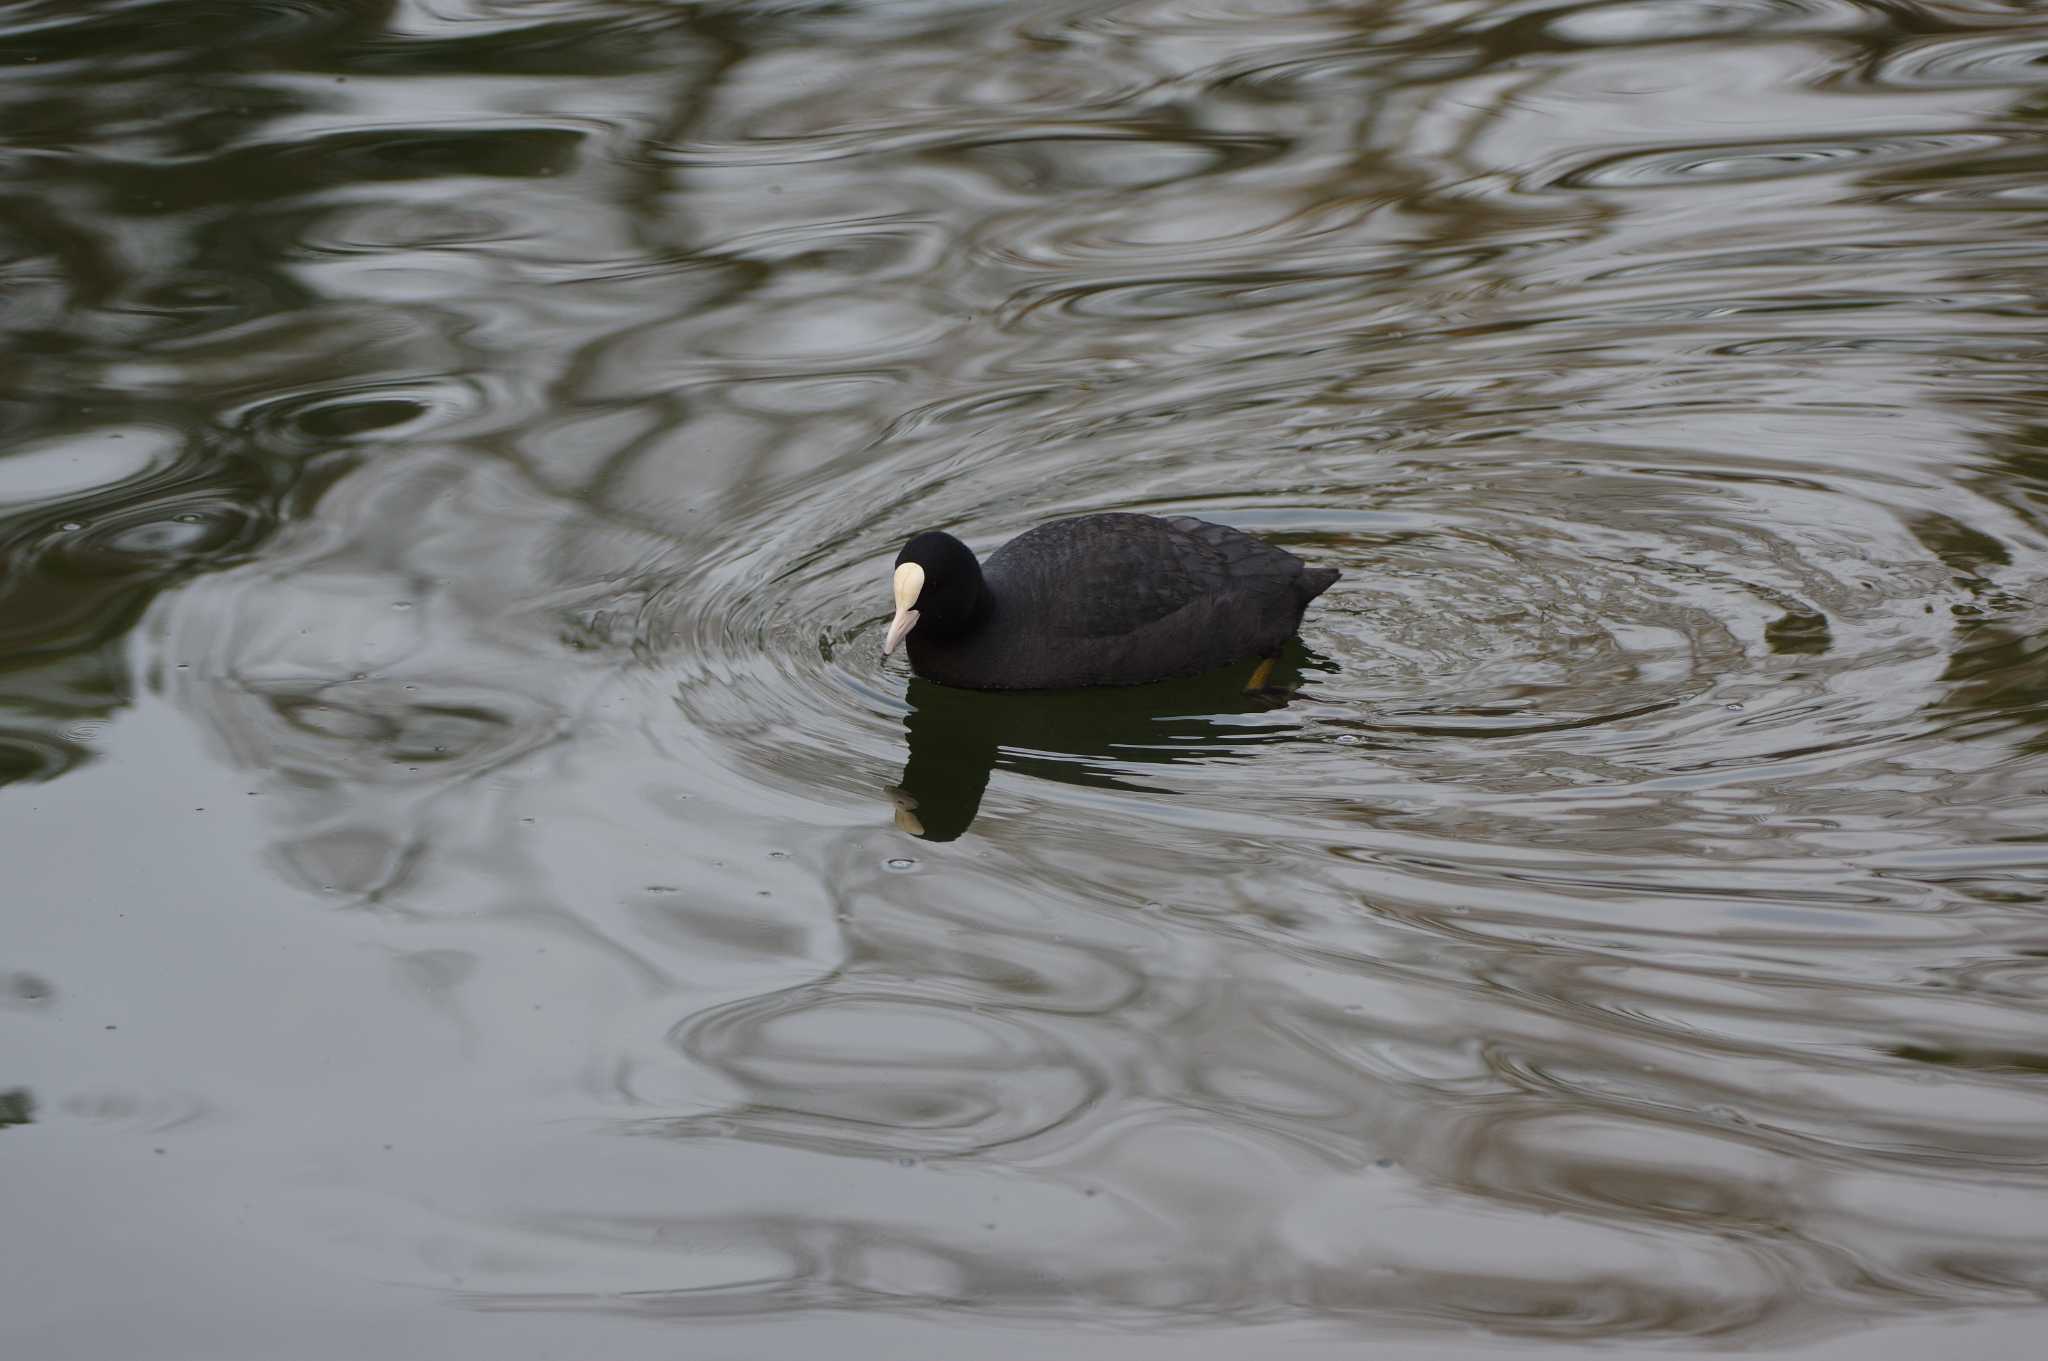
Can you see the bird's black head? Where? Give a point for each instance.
(939, 591)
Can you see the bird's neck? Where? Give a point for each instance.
(956, 623)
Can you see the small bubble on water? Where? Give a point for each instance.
(1349, 739)
(1736, 708)
(72, 527)
(900, 864)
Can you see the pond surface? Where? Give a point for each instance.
(476, 890)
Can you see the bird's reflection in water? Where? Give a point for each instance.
(1097, 737)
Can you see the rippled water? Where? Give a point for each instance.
(478, 890)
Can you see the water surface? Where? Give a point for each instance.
(476, 886)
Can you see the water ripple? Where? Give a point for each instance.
(488, 434)
(1999, 59)
(1767, 160)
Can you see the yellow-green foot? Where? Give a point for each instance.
(906, 821)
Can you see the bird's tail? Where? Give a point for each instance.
(1316, 580)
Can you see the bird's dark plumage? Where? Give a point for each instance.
(1103, 600)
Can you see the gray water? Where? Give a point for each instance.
(475, 889)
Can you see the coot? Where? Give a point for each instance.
(1097, 600)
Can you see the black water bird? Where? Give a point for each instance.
(1098, 600)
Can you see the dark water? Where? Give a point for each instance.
(475, 890)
